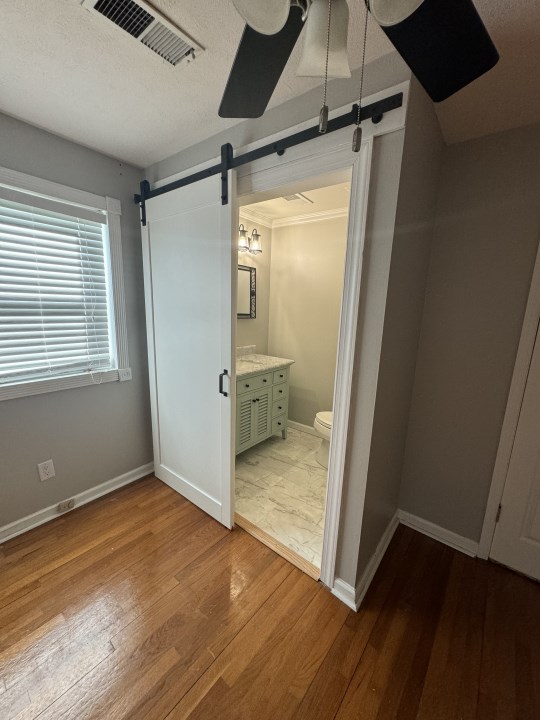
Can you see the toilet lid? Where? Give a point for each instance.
(325, 418)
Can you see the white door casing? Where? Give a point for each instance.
(329, 155)
(516, 542)
(190, 274)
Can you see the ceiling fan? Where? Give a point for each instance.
(445, 44)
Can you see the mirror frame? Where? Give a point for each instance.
(252, 293)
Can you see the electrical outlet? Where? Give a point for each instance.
(124, 374)
(65, 505)
(46, 470)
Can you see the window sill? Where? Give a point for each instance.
(37, 387)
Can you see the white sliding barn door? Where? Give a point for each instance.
(189, 261)
(516, 542)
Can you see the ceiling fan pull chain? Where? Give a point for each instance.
(323, 115)
(357, 136)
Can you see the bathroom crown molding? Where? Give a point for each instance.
(255, 217)
(303, 219)
(311, 217)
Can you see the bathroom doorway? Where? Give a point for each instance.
(292, 259)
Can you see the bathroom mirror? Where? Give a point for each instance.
(247, 292)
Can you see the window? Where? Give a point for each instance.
(62, 317)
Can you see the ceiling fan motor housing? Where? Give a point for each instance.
(445, 43)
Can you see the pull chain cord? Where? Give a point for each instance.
(357, 137)
(323, 115)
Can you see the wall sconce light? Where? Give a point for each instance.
(250, 244)
(255, 243)
(243, 240)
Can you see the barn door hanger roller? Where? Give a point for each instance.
(374, 112)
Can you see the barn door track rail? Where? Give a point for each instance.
(375, 111)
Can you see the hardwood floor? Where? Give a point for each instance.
(140, 606)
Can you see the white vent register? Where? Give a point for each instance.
(147, 25)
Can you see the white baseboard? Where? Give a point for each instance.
(453, 540)
(345, 592)
(302, 428)
(352, 597)
(42, 516)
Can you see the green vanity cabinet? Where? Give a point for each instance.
(261, 407)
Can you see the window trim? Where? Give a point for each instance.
(112, 208)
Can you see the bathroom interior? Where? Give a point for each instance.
(291, 262)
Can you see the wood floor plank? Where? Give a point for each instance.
(239, 579)
(328, 688)
(140, 607)
(384, 667)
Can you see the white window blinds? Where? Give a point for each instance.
(54, 294)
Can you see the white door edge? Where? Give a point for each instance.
(527, 339)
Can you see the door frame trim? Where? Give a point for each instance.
(324, 156)
(338, 158)
(531, 321)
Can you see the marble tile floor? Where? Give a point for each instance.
(281, 488)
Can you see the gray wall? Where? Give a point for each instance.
(254, 331)
(94, 433)
(308, 262)
(415, 216)
(485, 241)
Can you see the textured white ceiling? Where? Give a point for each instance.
(74, 73)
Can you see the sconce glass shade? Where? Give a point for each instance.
(243, 240)
(255, 243)
(313, 60)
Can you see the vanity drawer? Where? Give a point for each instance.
(281, 375)
(279, 407)
(279, 423)
(253, 383)
(280, 392)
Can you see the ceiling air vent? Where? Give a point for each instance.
(148, 26)
(298, 196)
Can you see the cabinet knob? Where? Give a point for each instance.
(279, 423)
(265, 380)
(247, 385)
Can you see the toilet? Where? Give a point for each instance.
(323, 428)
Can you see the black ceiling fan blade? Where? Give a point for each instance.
(259, 62)
(445, 44)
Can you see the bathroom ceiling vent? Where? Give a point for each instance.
(148, 26)
(298, 196)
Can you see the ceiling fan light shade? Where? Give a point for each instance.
(445, 44)
(267, 17)
(313, 59)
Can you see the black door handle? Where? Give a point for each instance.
(221, 376)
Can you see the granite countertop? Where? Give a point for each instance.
(253, 364)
